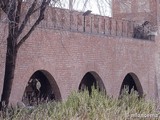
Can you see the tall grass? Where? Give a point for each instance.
(81, 106)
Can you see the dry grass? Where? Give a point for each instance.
(81, 106)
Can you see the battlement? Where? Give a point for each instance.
(63, 19)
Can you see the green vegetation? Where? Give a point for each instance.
(81, 106)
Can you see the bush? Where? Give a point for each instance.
(81, 106)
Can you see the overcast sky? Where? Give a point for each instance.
(101, 7)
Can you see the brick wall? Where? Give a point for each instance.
(136, 10)
(68, 54)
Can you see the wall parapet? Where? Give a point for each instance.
(93, 24)
(63, 19)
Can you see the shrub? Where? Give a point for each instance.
(82, 106)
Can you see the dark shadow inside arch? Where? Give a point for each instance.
(90, 80)
(132, 82)
(41, 88)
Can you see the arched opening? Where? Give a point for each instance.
(132, 82)
(41, 87)
(90, 80)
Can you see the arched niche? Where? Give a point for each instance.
(41, 87)
(91, 79)
(132, 82)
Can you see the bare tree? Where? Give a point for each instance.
(102, 7)
(16, 27)
(16, 35)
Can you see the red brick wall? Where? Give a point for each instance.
(68, 56)
(136, 10)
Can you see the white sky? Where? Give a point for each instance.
(100, 7)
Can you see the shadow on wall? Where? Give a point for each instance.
(41, 87)
(132, 82)
(92, 79)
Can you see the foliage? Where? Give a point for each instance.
(81, 106)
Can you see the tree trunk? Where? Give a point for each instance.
(10, 63)
(13, 10)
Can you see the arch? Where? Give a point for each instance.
(132, 81)
(41, 87)
(92, 79)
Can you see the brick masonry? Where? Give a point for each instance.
(68, 53)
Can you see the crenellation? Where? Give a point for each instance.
(113, 27)
(62, 19)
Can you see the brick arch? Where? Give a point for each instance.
(53, 83)
(48, 88)
(91, 79)
(132, 81)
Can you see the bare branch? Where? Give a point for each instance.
(18, 12)
(40, 18)
(84, 6)
(29, 13)
(4, 5)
